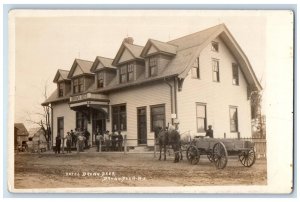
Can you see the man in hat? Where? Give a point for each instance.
(210, 132)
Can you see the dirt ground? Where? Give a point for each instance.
(116, 169)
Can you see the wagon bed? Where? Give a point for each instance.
(218, 150)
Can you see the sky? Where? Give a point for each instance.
(47, 41)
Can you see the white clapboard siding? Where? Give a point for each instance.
(217, 96)
(63, 110)
(140, 96)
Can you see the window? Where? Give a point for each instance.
(196, 69)
(119, 117)
(235, 74)
(100, 80)
(233, 119)
(60, 89)
(126, 73)
(78, 85)
(130, 67)
(81, 120)
(157, 117)
(216, 71)
(153, 66)
(201, 117)
(215, 46)
(123, 74)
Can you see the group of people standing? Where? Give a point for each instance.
(78, 139)
(111, 142)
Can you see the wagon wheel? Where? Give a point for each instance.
(247, 158)
(219, 155)
(192, 155)
(210, 156)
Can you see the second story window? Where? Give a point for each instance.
(196, 69)
(235, 74)
(126, 73)
(153, 66)
(100, 80)
(60, 89)
(78, 85)
(216, 70)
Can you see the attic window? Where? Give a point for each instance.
(60, 90)
(235, 74)
(100, 80)
(215, 46)
(78, 85)
(153, 66)
(126, 73)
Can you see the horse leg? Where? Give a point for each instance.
(181, 157)
(159, 152)
(165, 148)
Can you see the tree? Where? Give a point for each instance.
(256, 115)
(44, 119)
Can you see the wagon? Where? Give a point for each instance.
(218, 150)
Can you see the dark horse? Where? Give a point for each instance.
(169, 137)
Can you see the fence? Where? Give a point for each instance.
(260, 145)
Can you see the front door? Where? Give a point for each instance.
(142, 125)
(99, 122)
(60, 127)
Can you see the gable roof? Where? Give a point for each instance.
(84, 65)
(187, 49)
(134, 50)
(162, 47)
(54, 98)
(22, 131)
(61, 73)
(33, 131)
(106, 62)
(200, 40)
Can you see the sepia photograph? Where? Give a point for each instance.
(145, 101)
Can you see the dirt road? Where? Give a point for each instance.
(117, 169)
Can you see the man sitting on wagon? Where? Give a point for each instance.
(210, 132)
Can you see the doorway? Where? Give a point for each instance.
(99, 122)
(142, 125)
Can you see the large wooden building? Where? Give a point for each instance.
(197, 80)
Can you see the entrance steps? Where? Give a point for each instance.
(141, 149)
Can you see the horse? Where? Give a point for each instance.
(166, 138)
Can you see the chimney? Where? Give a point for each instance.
(128, 40)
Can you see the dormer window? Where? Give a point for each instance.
(60, 90)
(100, 80)
(78, 85)
(153, 66)
(215, 46)
(126, 73)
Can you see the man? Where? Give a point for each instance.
(58, 144)
(107, 140)
(114, 138)
(120, 140)
(98, 141)
(69, 142)
(87, 137)
(80, 142)
(210, 132)
(74, 138)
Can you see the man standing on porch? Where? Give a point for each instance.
(107, 140)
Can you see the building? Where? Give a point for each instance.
(197, 80)
(37, 139)
(21, 134)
